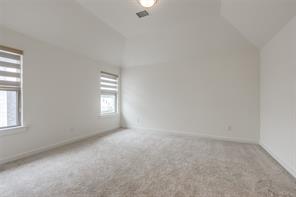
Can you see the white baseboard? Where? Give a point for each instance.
(197, 134)
(52, 146)
(280, 161)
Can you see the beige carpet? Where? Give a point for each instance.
(135, 163)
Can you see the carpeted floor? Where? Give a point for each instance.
(136, 163)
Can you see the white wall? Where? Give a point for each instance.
(61, 96)
(192, 96)
(203, 80)
(278, 96)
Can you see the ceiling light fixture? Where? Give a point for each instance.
(147, 3)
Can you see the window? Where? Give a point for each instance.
(10, 87)
(109, 93)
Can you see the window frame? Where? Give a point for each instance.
(106, 92)
(19, 91)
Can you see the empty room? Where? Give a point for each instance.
(147, 98)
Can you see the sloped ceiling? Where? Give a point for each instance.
(166, 14)
(258, 20)
(109, 30)
(175, 30)
(66, 24)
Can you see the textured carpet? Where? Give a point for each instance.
(137, 163)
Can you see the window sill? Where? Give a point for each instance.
(13, 130)
(108, 115)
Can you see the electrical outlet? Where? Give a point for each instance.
(229, 128)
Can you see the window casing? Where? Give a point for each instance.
(109, 93)
(10, 87)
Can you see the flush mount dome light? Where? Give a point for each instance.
(147, 3)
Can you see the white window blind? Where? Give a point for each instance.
(10, 70)
(10, 87)
(109, 83)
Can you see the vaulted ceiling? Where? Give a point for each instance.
(258, 20)
(66, 24)
(109, 30)
(165, 15)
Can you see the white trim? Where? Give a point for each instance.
(198, 134)
(109, 115)
(13, 130)
(277, 158)
(50, 147)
